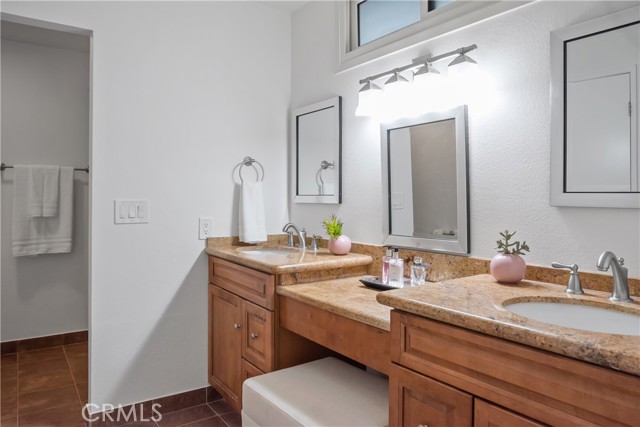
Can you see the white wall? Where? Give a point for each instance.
(508, 136)
(45, 120)
(182, 91)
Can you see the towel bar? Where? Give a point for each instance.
(3, 167)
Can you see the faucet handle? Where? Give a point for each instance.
(314, 242)
(575, 285)
(621, 261)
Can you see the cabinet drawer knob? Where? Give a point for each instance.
(237, 326)
(254, 335)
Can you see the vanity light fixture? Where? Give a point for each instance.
(370, 98)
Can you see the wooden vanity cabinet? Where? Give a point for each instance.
(241, 326)
(244, 339)
(444, 375)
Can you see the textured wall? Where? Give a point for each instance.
(508, 135)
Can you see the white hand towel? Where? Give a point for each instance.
(42, 235)
(253, 228)
(42, 188)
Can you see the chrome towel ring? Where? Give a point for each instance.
(248, 161)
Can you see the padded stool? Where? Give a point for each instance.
(327, 392)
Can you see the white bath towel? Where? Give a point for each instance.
(42, 189)
(253, 228)
(42, 235)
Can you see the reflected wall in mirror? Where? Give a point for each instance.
(316, 153)
(595, 156)
(425, 190)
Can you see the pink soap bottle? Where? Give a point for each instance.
(385, 265)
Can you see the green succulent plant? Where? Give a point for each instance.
(515, 248)
(333, 226)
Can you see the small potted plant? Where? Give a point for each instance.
(508, 266)
(339, 244)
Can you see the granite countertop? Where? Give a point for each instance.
(345, 297)
(295, 262)
(476, 303)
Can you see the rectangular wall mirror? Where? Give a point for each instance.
(316, 153)
(594, 134)
(425, 182)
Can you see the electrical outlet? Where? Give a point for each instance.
(205, 227)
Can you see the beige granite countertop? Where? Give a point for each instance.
(296, 262)
(476, 303)
(345, 297)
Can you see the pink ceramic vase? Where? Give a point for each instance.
(507, 268)
(340, 245)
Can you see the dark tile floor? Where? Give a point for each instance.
(48, 388)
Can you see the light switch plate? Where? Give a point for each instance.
(131, 211)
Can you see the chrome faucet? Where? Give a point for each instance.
(620, 276)
(302, 234)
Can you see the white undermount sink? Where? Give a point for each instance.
(578, 316)
(259, 252)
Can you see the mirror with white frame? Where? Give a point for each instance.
(316, 153)
(425, 182)
(594, 123)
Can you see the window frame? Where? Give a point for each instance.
(440, 21)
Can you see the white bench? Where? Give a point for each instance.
(327, 392)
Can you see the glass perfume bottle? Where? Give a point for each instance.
(396, 270)
(418, 272)
(385, 265)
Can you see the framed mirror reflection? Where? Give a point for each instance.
(595, 159)
(425, 182)
(316, 153)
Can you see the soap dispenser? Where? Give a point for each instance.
(418, 272)
(385, 265)
(396, 270)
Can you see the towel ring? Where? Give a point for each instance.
(248, 161)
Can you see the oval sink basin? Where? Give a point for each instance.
(269, 251)
(579, 316)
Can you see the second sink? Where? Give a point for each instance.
(578, 316)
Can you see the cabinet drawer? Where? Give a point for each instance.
(257, 338)
(416, 400)
(249, 371)
(552, 389)
(253, 285)
(487, 415)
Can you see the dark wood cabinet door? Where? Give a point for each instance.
(257, 336)
(226, 345)
(488, 415)
(419, 401)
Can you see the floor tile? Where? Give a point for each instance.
(9, 422)
(81, 349)
(9, 360)
(8, 373)
(186, 416)
(220, 407)
(43, 375)
(67, 416)
(232, 419)
(79, 368)
(9, 398)
(83, 392)
(41, 355)
(47, 399)
(212, 394)
(182, 401)
(209, 422)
